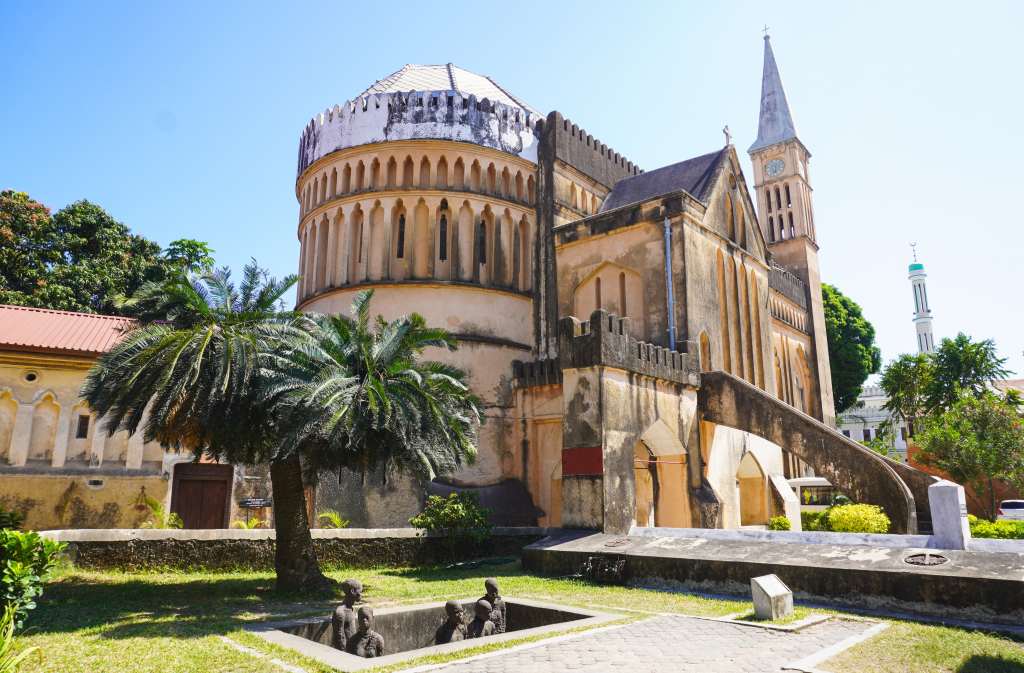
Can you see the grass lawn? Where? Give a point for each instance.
(91, 622)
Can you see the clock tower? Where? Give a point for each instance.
(786, 213)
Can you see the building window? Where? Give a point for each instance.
(778, 199)
(82, 431)
(442, 244)
(789, 200)
(768, 196)
(481, 243)
(792, 229)
(400, 252)
(771, 228)
(867, 434)
(846, 433)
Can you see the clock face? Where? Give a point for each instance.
(774, 167)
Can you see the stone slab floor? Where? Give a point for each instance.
(667, 644)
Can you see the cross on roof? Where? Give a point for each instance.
(765, 30)
(728, 134)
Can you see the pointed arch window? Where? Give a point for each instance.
(789, 199)
(481, 242)
(771, 228)
(768, 197)
(442, 244)
(778, 199)
(792, 229)
(400, 251)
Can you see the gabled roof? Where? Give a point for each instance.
(775, 124)
(693, 175)
(23, 328)
(447, 77)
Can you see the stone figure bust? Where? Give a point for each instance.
(481, 625)
(344, 623)
(366, 642)
(454, 627)
(493, 597)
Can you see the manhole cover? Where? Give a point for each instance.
(926, 559)
(618, 542)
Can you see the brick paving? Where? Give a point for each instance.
(674, 644)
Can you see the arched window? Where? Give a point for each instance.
(442, 243)
(400, 247)
(622, 293)
(768, 197)
(481, 242)
(789, 200)
(778, 198)
(792, 230)
(771, 229)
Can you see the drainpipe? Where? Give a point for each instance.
(669, 293)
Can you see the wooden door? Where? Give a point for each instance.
(200, 494)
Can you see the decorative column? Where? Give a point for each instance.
(60, 440)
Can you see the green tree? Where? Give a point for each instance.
(906, 381)
(852, 352)
(963, 366)
(978, 440)
(357, 396)
(189, 383)
(80, 258)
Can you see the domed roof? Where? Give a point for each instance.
(447, 77)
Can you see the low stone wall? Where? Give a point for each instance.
(138, 549)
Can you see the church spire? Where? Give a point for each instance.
(776, 122)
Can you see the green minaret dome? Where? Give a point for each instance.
(916, 266)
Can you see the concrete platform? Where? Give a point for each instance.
(971, 585)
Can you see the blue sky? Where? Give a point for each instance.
(182, 119)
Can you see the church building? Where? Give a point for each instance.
(650, 345)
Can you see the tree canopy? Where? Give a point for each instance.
(80, 258)
(852, 353)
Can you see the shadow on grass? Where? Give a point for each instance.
(983, 663)
(136, 607)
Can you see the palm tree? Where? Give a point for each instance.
(185, 378)
(356, 397)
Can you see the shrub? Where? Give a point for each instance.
(459, 517)
(11, 519)
(26, 560)
(814, 521)
(857, 519)
(779, 523)
(1001, 530)
(160, 517)
(252, 523)
(329, 518)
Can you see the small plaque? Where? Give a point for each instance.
(255, 503)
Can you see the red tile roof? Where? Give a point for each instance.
(65, 332)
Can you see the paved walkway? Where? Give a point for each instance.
(668, 644)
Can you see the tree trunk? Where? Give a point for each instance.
(294, 557)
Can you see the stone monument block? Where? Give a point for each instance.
(948, 505)
(772, 598)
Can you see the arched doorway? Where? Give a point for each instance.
(753, 492)
(645, 470)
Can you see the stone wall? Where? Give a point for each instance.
(139, 549)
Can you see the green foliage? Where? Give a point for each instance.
(814, 521)
(11, 661)
(190, 255)
(905, 382)
(858, 518)
(329, 518)
(79, 259)
(159, 517)
(252, 523)
(853, 355)
(779, 523)
(963, 367)
(884, 441)
(26, 560)
(458, 516)
(10, 518)
(352, 396)
(1001, 530)
(977, 441)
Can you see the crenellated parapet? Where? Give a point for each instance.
(543, 372)
(574, 146)
(604, 340)
(439, 115)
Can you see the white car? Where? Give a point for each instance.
(1011, 510)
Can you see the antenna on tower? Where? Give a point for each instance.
(913, 247)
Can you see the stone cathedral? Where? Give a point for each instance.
(650, 345)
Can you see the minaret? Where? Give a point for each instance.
(786, 212)
(922, 312)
